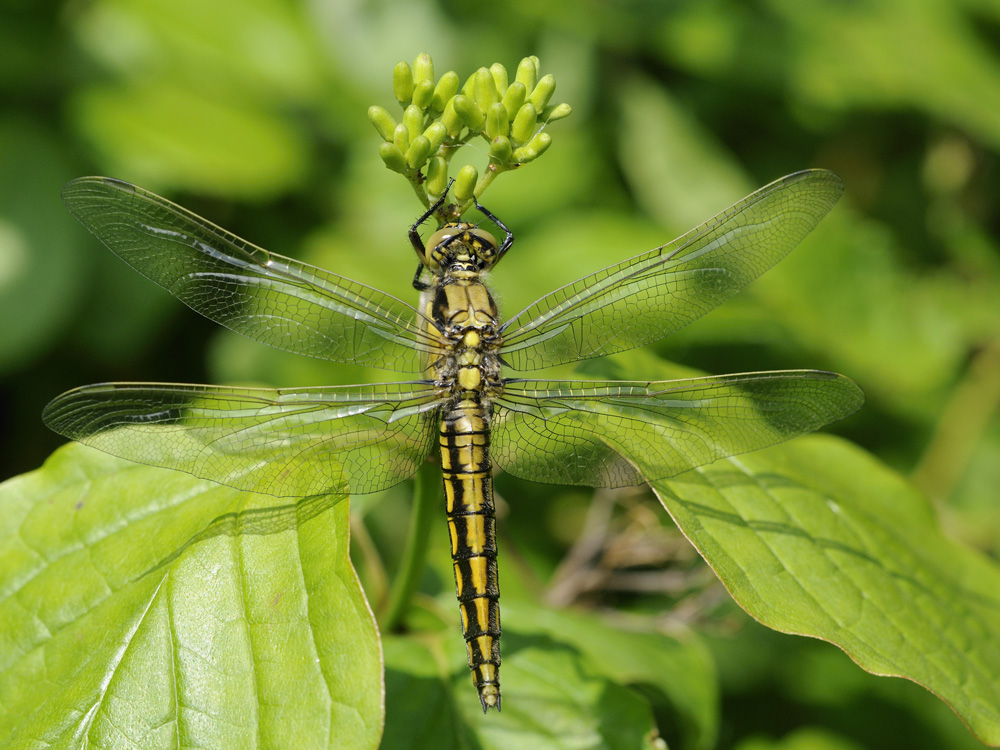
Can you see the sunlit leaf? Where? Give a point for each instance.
(143, 608)
(816, 538)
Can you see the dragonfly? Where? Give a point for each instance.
(463, 407)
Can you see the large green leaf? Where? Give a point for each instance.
(674, 672)
(816, 538)
(144, 608)
(570, 680)
(554, 698)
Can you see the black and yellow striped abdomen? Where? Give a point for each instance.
(468, 488)
(463, 316)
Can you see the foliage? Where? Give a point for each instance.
(147, 609)
(253, 114)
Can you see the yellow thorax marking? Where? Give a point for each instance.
(469, 378)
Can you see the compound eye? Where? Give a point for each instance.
(488, 241)
(444, 234)
(433, 257)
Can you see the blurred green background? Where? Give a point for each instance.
(252, 113)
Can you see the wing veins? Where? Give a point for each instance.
(240, 285)
(292, 442)
(616, 433)
(653, 294)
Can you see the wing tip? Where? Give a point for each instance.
(817, 175)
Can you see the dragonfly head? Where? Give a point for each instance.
(460, 248)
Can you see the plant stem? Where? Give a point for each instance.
(488, 175)
(961, 426)
(418, 188)
(426, 492)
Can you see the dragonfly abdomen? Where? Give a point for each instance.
(468, 489)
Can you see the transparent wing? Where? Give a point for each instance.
(289, 443)
(615, 434)
(652, 295)
(264, 296)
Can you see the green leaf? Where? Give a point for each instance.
(554, 698)
(145, 608)
(229, 149)
(658, 137)
(674, 671)
(801, 739)
(816, 538)
(880, 37)
(264, 51)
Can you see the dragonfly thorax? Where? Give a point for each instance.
(460, 250)
(467, 319)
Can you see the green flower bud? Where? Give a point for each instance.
(499, 73)
(436, 133)
(509, 111)
(542, 92)
(402, 83)
(401, 138)
(392, 157)
(437, 175)
(540, 143)
(446, 88)
(534, 149)
(469, 87)
(527, 72)
(423, 69)
(497, 122)
(469, 111)
(413, 119)
(501, 150)
(422, 94)
(382, 121)
(524, 123)
(514, 97)
(451, 119)
(465, 183)
(556, 112)
(485, 89)
(418, 152)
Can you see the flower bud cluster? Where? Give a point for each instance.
(441, 116)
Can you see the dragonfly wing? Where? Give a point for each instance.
(614, 434)
(264, 296)
(652, 295)
(289, 443)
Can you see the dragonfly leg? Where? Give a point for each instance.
(414, 233)
(420, 286)
(508, 240)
